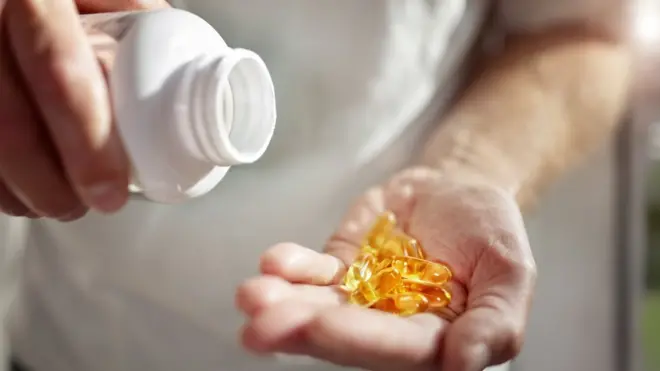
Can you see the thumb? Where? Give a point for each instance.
(101, 6)
(398, 195)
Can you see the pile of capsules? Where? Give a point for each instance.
(391, 273)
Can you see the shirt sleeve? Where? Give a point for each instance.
(610, 16)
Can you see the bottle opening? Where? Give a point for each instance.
(249, 108)
(239, 109)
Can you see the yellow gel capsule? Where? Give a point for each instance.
(411, 286)
(366, 249)
(422, 271)
(381, 230)
(361, 270)
(414, 249)
(384, 282)
(391, 248)
(438, 297)
(386, 305)
(392, 275)
(409, 246)
(411, 303)
(402, 245)
(364, 296)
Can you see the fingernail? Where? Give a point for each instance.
(106, 197)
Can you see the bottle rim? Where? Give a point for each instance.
(238, 111)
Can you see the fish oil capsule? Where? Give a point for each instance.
(385, 282)
(361, 270)
(386, 305)
(364, 296)
(436, 273)
(391, 248)
(406, 248)
(381, 230)
(414, 249)
(411, 286)
(381, 285)
(437, 297)
(422, 271)
(402, 245)
(392, 275)
(411, 303)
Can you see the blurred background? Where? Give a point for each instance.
(651, 311)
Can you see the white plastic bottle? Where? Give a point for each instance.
(187, 106)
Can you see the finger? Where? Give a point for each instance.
(28, 163)
(264, 292)
(345, 242)
(370, 339)
(469, 347)
(491, 330)
(280, 328)
(398, 196)
(9, 204)
(101, 6)
(68, 87)
(299, 264)
(347, 336)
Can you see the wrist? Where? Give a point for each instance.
(459, 150)
(491, 173)
(459, 178)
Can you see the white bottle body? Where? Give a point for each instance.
(152, 67)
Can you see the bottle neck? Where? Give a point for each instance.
(232, 114)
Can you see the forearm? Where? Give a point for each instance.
(538, 108)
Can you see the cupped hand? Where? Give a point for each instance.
(59, 152)
(296, 307)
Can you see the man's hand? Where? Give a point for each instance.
(295, 307)
(59, 152)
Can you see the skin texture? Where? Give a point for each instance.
(535, 111)
(531, 113)
(59, 152)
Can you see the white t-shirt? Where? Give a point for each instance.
(359, 86)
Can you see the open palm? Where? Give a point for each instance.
(296, 307)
